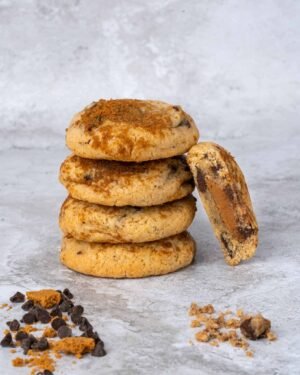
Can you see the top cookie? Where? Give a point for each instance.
(224, 194)
(131, 130)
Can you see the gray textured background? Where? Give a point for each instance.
(234, 66)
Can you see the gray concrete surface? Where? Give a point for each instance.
(234, 65)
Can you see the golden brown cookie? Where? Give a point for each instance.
(224, 194)
(97, 223)
(128, 260)
(131, 130)
(114, 183)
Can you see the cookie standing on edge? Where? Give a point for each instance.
(113, 183)
(131, 130)
(97, 223)
(224, 194)
(128, 260)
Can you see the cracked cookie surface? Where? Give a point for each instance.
(225, 196)
(131, 130)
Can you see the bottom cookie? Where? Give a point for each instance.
(128, 260)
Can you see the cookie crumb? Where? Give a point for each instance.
(227, 327)
(46, 298)
(255, 327)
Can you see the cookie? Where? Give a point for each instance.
(224, 194)
(128, 260)
(114, 183)
(97, 223)
(131, 130)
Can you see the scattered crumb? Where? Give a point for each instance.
(13, 350)
(74, 345)
(29, 328)
(218, 328)
(18, 362)
(271, 336)
(46, 298)
(49, 332)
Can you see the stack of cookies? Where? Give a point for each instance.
(130, 188)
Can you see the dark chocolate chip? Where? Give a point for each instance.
(246, 232)
(41, 345)
(91, 334)
(29, 318)
(45, 372)
(13, 325)
(87, 177)
(98, 351)
(215, 169)
(229, 192)
(27, 305)
(58, 322)
(84, 324)
(7, 341)
(176, 107)
(66, 306)
(43, 316)
(201, 181)
(27, 343)
(78, 310)
(64, 331)
(21, 335)
(185, 123)
(17, 297)
(75, 318)
(67, 293)
(56, 312)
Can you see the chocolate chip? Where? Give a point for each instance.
(43, 316)
(246, 232)
(201, 181)
(215, 168)
(29, 318)
(78, 310)
(67, 293)
(45, 372)
(176, 107)
(58, 322)
(27, 305)
(56, 312)
(75, 318)
(27, 343)
(41, 345)
(7, 341)
(21, 335)
(17, 297)
(91, 334)
(84, 324)
(64, 331)
(66, 306)
(183, 123)
(98, 351)
(13, 325)
(229, 192)
(87, 177)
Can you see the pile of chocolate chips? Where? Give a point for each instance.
(54, 316)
